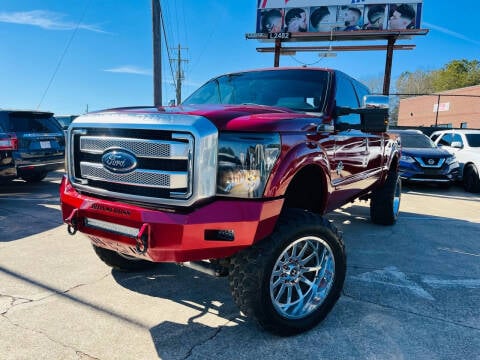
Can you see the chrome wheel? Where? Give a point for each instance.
(396, 198)
(302, 277)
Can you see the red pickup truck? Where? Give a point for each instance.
(236, 180)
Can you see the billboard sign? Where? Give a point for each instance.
(327, 16)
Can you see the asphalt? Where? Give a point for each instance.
(412, 291)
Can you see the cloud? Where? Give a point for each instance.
(45, 19)
(450, 32)
(130, 70)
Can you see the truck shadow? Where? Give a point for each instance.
(207, 297)
(29, 208)
(417, 246)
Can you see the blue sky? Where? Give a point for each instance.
(72, 55)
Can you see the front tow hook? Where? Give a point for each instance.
(72, 222)
(141, 244)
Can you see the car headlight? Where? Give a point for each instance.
(451, 159)
(245, 161)
(407, 158)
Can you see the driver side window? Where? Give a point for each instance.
(447, 139)
(345, 96)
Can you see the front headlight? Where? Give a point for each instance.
(244, 163)
(451, 159)
(407, 158)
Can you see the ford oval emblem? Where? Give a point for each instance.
(119, 161)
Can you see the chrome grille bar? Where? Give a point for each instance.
(141, 148)
(139, 177)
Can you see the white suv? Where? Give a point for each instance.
(465, 144)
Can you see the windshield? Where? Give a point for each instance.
(300, 90)
(416, 141)
(473, 140)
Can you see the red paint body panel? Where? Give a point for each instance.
(174, 237)
(348, 164)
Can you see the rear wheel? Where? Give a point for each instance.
(120, 261)
(291, 280)
(34, 177)
(471, 180)
(385, 201)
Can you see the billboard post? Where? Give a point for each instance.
(388, 65)
(278, 48)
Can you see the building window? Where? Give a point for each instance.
(463, 125)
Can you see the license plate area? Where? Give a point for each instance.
(45, 145)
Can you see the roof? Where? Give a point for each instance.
(26, 111)
(458, 131)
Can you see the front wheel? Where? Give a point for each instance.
(471, 180)
(385, 201)
(121, 262)
(291, 280)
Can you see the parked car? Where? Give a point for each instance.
(38, 142)
(465, 144)
(7, 166)
(65, 120)
(423, 162)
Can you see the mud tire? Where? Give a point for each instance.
(257, 274)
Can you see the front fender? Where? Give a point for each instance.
(293, 159)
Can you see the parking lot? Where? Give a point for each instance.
(412, 290)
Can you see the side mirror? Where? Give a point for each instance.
(375, 117)
(456, 145)
(376, 102)
(373, 113)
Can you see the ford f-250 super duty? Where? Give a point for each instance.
(236, 179)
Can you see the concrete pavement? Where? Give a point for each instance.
(412, 291)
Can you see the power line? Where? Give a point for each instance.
(168, 48)
(63, 55)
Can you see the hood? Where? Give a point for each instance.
(237, 117)
(422, 152)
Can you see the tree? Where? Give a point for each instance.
(415, 83)
(374, 83)
(457, 74)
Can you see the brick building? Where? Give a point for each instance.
(459, 108)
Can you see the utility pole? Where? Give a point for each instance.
(179, 75)
(157, 53)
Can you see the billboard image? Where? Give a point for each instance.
(301, 16)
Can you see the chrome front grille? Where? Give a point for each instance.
(158, 158)
(161, 164)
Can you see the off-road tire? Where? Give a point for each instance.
(34, 177)
(122, 262)
(471, 180)
(385, 200)
(256, 273)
